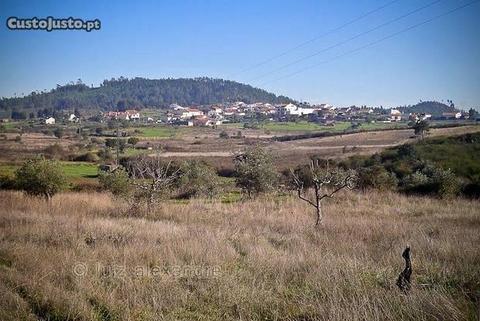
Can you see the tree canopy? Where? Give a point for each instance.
(123, 93)
(41, 177)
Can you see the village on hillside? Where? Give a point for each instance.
(217, 114)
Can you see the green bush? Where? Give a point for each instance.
(41, 177)
(55, 151)
(133, 141)
(87, 157)
(446, 183)
(415, 182)
(116, 182)
(199, 179)
(58, 132)
(376, 177)
(255, 172)
(7, 182)
(432, 180)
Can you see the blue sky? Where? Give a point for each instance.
(157, 39)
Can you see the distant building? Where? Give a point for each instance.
(188, 113)
(215, 111)
(204, 121)
(127, 115)
(50, 121)
(294, 110)
(454, 115)
(395, 115)
(417, 117)
(72, 118)
(176, 107)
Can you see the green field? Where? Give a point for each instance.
(303, 126)
(71, 169)
(459, 153)
(13, 125)
(157, 132)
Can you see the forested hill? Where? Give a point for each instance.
(140, 93)
(434, 108)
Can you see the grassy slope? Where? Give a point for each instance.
(271, 264)
(454, 153)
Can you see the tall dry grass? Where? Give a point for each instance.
(82, 258)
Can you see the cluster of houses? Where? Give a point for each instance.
(124, 115)
(323, 113)
(72, 118)
(219, 113)
(216, 114)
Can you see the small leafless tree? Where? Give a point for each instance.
(152, 176)
(323, 178)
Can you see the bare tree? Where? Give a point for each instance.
(322, 178)
(152, 176)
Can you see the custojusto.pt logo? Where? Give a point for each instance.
(51, 24)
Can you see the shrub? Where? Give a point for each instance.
(472, 189)
(7, 182)
(376, 177)
(112, 143)
(223, 134)
(116, 182)
(199, 179)
(254, 171)
(41, 177)
(58, 132)
(54, 151)
(105, 154)
(432, 180)
(417, 182)
(133, 141)
(87, 157)
(420, 127)
(446, 183)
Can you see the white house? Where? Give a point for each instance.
(294, 110)
(395, 115)
(127, 115)
(177, 107)
(72, 118)
(50, 121)
(189, 113)
(132, 115)
(215, 111)
(454, 115)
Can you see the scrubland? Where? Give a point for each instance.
(87, 256)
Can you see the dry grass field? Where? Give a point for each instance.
(86, 257)
(218, 152)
